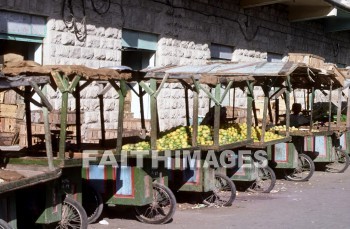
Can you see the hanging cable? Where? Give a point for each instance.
(71, 22)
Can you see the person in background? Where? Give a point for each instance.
(297, 119)
(209, 117)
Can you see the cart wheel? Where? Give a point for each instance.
(304, 170)
(341, 162)
(4, 225)
(92, 203)
(265, 181)
(73, 215)
(224, 193)
(161, 210)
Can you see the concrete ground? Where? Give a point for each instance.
(323, 202)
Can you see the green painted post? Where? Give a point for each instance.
(195, 116)
(312, 106)
(122, 94)
(217, 113)
(250, 98)
(63, 132)
(153, 86)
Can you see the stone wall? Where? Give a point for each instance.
(186, 30)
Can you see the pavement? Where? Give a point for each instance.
(322, 202)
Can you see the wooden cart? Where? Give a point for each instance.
(321, 142)
(210, 180)
(107, 182)
(37, 187)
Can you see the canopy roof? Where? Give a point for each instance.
(29, 68)
(302, 75)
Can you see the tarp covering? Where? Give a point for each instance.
(29, 68)
(302, 75)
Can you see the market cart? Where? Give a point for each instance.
(109, 177)
(320, 138)
(36, 188)
(268, 76)
(283, 154)
(342, 120)
(211, 139)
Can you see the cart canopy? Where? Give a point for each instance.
(302, 75)
(29, 68)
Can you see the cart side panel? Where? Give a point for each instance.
(319, 147)
(285, 156)
(345, 141)
(8, 209)
(190, 174)
(160, 172)
(72, 175)
(244, 172)
(53, 206)
(120, 184)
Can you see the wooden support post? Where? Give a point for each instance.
(43, 98)
(154, 131)
(142, 111)
(195, 116)
(254, 112)
(294, 97)
(330, 107)
(63, 132)
(62, 83)
(233, 103)
(187, 106)
(250, 98)
(102, 121)
(48, 141)
(27, 98)
(122, 94)
(100, 97)
(308, 93)
(270, 111)
(217, 114)
(287, 100)
(264, 120)
(339, 108)
(277, 111)
(77, 115)
(312, 107)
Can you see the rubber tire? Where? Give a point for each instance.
(312, 169)
(90, 192)
(171, 213)
(273, 179)
(232, 187)
(83, 217)
(347, 160)
(4, 225)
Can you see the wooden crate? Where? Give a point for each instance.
(6, 138)
(307, 58)
(8, 125)
(8, 111)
